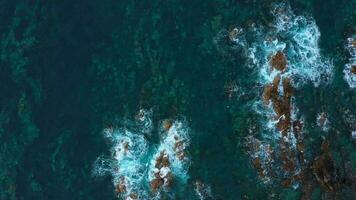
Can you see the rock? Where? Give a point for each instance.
(133, 196)
(353, 69)
(324, 170)
(162, 161)
(322, 119)
(286, 182)
(167, 124)
(353, 43)
(126, 147)
(266, 96)
(279, 61)
(156, 184)
(164, 176)
(234, 33)
(121, 187)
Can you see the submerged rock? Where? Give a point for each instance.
(234, 33)
(324, 170)
(202, 190)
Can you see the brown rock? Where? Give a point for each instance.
(278, 61)
(287, 88)
(167, 124)
(169, 179)
(276, 83)
(353, 68)
(286, 182)
(297, 127)
(178, 145)
(257, 163)
(267, 92)
(289, 165)
(121, 187)
(162, 161)
(233, 34)
(353, 43)
(156, 184)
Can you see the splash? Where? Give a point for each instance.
(350, 67)
(142, 169)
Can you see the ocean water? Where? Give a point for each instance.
(177, 99)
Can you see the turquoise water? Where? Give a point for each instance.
(94, 92)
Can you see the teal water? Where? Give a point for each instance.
(71, 69)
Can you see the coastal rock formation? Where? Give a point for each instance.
(141, 169)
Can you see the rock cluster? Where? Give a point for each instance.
(163, 175)
(290, 149)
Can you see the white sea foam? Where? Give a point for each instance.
(129, 151)
(350, 77)
(353, 135)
